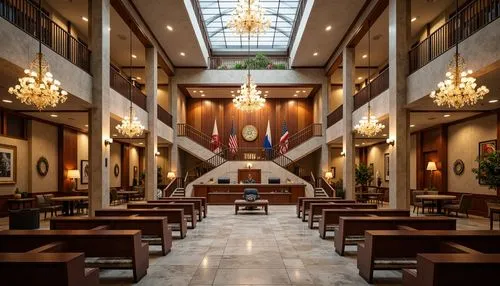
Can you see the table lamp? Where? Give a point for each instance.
(73, 175)
(170, 175)
(431, 166)
(328, 176)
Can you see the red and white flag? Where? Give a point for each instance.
(215, 143)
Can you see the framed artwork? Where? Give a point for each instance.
(486, 148)
(334, 172)
(8, 163)
(116, 170)
(85, 172)
(386, 167)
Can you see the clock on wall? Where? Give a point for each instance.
(249, 133)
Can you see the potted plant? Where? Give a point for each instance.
(488, 171)
(339, 189)
(363, 175)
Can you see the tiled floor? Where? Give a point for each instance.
(255, 249)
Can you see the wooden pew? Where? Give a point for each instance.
(307, 202)
(435, 269)
(401, 247)
(46, 269)
(189, 210)
(316, 209)
(149, 226)
(94, 243)
(356, 226)
(330, 218)
(198, 205)
(203, 202)
(298, 206)
(175, 217)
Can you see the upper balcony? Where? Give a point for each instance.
(257, 62)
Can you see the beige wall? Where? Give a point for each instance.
(83, 154)
(164, 98)
(163, 162)
(413, 161)
(337, 161)
(181, 107)
(376, 156)
(115, 158)
(133, 161)
(335, 98)
(42, 143)
(318, 107)
(463, 142)
(21, 167)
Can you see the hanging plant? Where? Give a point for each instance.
(42, 166)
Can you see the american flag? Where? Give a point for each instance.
(233, 140)
(284, 138)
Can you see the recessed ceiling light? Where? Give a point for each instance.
(384, 134)
(201, 91)
(202, 95)
(315, 54)
(414, 19)
(328, 28)
(232, 91)
(363, 143)
(170, 28)
(138, 77)
(134, 56)
(194, 91)
(54, 115)
(364, 56)
(297, 91)
(356, 145)
(85, 19)
(182, 54)
(140, 143)
(6, 101)
(303, 91)
(233, 95)
(265, 95)
(267, 91)
(446, 115)
(493, 101)
(412, 125)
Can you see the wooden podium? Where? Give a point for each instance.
(243, 175)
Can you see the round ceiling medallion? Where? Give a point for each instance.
(249, 133)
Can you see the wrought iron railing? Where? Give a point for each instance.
(296, 24)
(335, 116)
(470, 19)
(186, 130)
(174, 184)
(313, 130)
(378, 85)
(26, 16)
(164, 116)
(123, 86)
(239, 63)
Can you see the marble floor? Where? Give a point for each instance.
(255, 249)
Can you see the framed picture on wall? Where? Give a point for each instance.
(485, 149)
(334, 172)
(85, 172)
(386, 167)
(8, 163)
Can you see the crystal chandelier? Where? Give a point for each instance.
(368, 125)
(459, 88)
(248, 17)
(38, 87)
(130, 125)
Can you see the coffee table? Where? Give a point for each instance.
(439, 199)
(257, 203)
(69, 203)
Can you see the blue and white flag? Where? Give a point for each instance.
(268, 145)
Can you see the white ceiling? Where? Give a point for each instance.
(228, 92)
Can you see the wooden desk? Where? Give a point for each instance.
(20, 203)
(69, 203)
(439, 199)
(226, 194)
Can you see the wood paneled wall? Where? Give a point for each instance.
(432, 146)
(201, 113)
(68, 150)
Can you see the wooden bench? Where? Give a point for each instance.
(94, 243)
(298, 206)
(198, 205)
(189, 210)
(435, 269)
(330, 218)
(397, 249)
(46, 269)
(175, 217)
(203, 202)
(257, 203)
(149, 226)
(316, 209)
(356, 226)
(307, 202)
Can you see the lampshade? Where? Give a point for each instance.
(170, 175)
(431, 166)
(249, 165)
(328, 175)
(73, 174)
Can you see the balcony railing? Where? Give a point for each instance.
(313, 130)
(239, 63)
(335, 116)
(26, 16)
(186, 130)
(122, 85)
(470, 19)
(378, 85)
(164, 116)
(298, 18)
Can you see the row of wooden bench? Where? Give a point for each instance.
(113, 238)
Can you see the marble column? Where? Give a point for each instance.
(399, 163)
(348, 70)
(151, 70)
(325, 90)
(99, 116)
(174, 149)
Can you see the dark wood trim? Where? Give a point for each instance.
(125, 163)
(336, 64)
(420, 162)
(443, 157)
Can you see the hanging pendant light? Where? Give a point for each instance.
(249, 18)
(368, 125)
(38, 87)
(459, 88)
(130, 125)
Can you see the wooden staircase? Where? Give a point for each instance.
(179, 192)
(320, 193)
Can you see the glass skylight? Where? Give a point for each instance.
(216, 14)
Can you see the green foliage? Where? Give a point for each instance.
(363, 175)
(489, 170)
(239, 67)
(280, 66)
(259, 62)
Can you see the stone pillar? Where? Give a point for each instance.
(174, 151)
(348, 106)
(325, 90)
(99, 116)
(152, 107)
(399, 163)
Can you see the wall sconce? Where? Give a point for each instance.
(328, 176)
(390, 141)
(108, 141)
(342, 154)
(249, 165)
(157, 153)
(170, 175)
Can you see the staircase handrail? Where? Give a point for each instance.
(169, 189)
(313, 180)
(301, 136)
(186, 130)
(330, 191)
